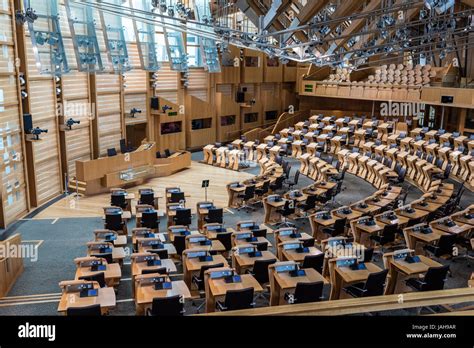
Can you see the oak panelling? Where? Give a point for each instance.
(7, 59)
(198, 109)
(252, 74)
(138, 101)
(8, 85)
(75, 86)
(109, 122)
(78, 147)
(226, 106)
(272, 73)
(107, 83)
(6, 33)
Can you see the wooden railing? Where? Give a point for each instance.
(364, 305)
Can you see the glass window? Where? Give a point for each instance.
(171, 127)
(201, 123)
(271, 115)
(227, 120)
(251, 62)
(250, 118)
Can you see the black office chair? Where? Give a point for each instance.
(443, 247)
(162, 253)
(260, 233)
(261, 246)
(177, 197)
(118, 200)
(97, 277)
(386, 237)
(374, 286)
(111, 152)
(309, 205)
(338, 229)
(107, 257)
(263, 190)
(166, 306)
(434, 279)
(158, 154)
(368, 254)
(314, 261)
(295, 180)
(183, 217)
(199, 282)
(260, 271)
(179, 243)
(226, 239)
(150, 219)
(306, 293)
(93, 310)
(308, 243)
(215, 215)
(236, 300)
(278, 184)
(168, 153)
(159, 270)
(246, 197)
(147, 198)
(287, 210)
(114, 222)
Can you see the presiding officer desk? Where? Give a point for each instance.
(132, 168)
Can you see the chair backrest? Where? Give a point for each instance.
(158, 154)
(309, 242)
(288, 171)
(260, 233)
(97, 277)
(279, 182)
(297, 177)
(93, 310)
(314, 261)
(311, 202)
(150, 219)
(249, 192)
(434, 278)
(111, 152)
(177, 197)
(162, 253)
(265, 187)
(446, 244)
(339, 227)
(375, 283)
(167, 153)
(239, 299)
(215, 215)
(117, 200)
(147, 198)
(159, 270)
(183, 217)
(179, 243)
(260, 270)
(368, 254)
(167, 306)
(113, 222)
(308, 292)
(288, 208)
(226, 239)
(261, 246)
(388, 233)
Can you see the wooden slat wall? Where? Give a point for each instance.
(167, 86)
(75, 92)
(109, 115)
(135, 91)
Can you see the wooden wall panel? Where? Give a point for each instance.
(226, 106)
(109, 122)
(138, 101)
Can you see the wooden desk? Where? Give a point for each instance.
(147, 248)
(144, 295)
(271, 207)
(414, 239)
(407, 270)
(292, 255)
(424, 205)
(318, 223)
(218, 288)
(341, 276)
(216, 246)
(105, 298)
(369, 210)
(416, 214)
(193, 266)
(237, 242)
(362, 232)
(243, 262)
(139, 267)
(456, 229)
(283, 282)
(112, 273)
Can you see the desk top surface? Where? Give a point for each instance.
(416, 267)
(218, 287)
(105, 298)
(354, 276)
(146, 294)
(286, 281)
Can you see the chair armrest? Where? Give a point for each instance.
(220, 306)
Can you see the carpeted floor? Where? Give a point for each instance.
(62, 240)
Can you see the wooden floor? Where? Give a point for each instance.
(189, 180)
